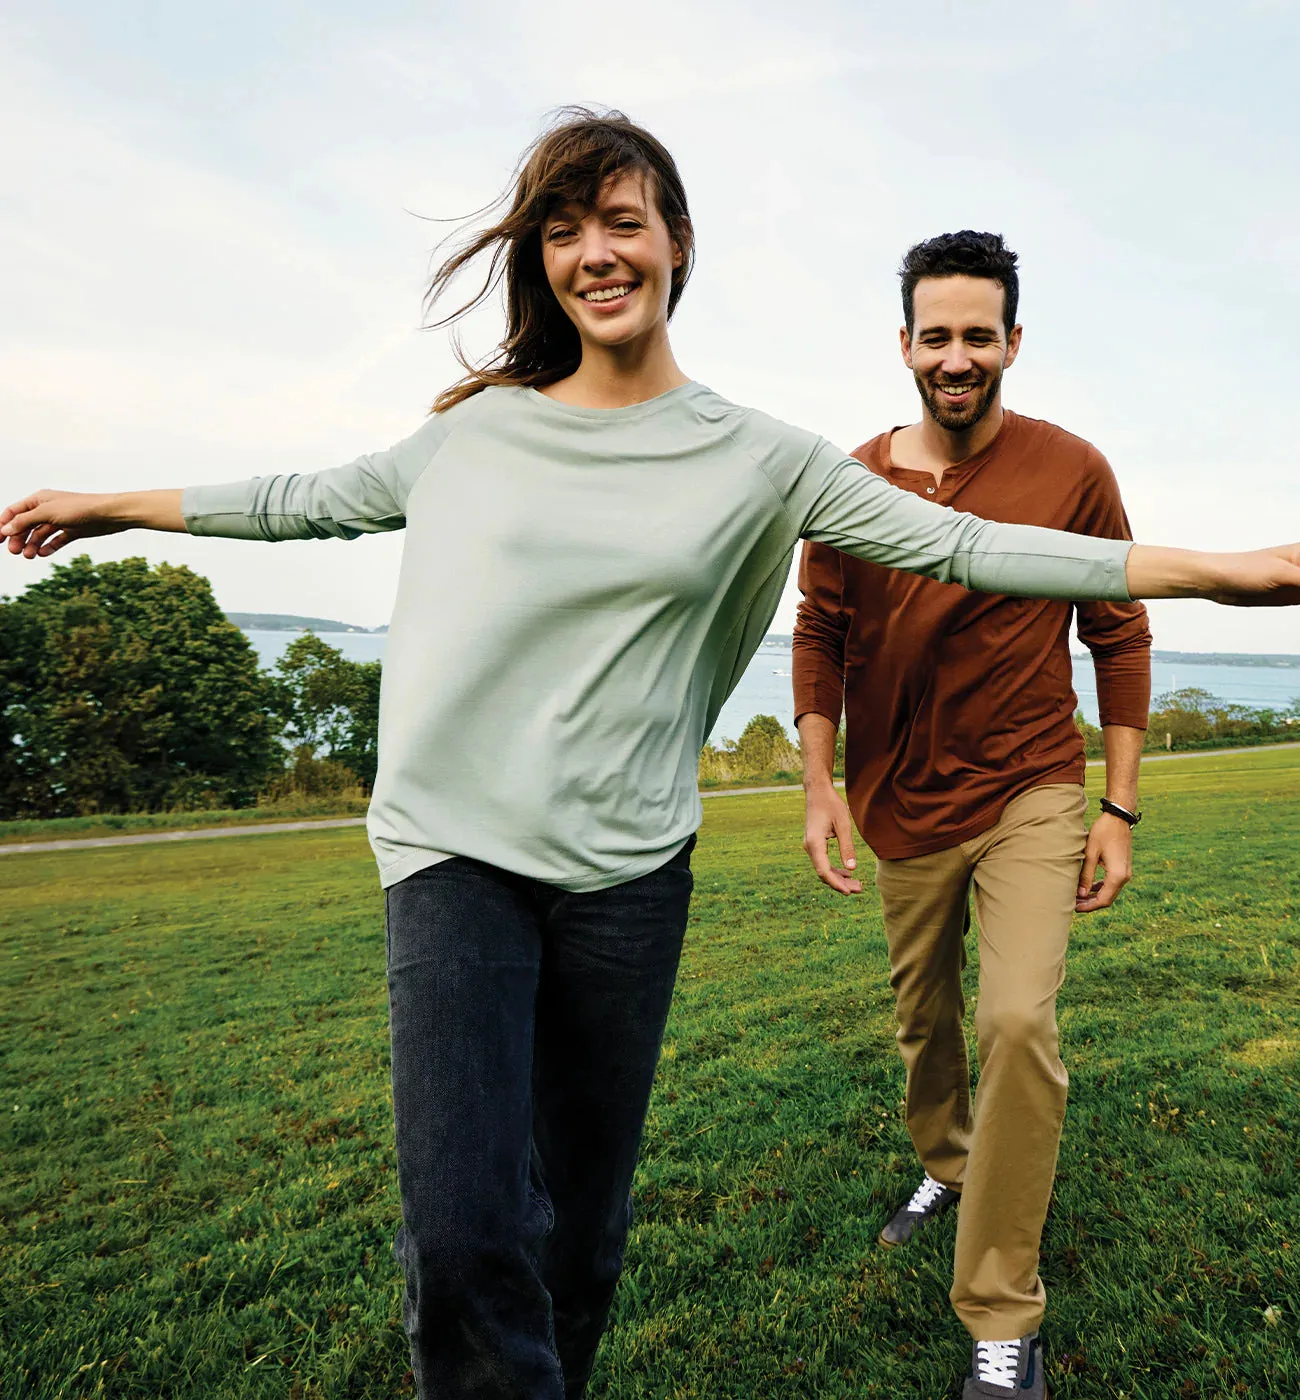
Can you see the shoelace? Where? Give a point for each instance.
(927, 1193)
(998, 1363)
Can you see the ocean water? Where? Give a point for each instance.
(764, 689)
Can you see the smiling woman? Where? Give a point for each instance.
(596, 290)
(615, 537)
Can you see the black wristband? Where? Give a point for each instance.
(1123, 813)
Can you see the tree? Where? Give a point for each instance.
(330, 705)
(765, 747)
(1184, 714)
(124, 688)
(764, 750)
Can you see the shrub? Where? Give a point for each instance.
(310, 784)
(1194, 718)
(1093, 745)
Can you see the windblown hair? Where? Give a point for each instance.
(964, 254)
(569, 162)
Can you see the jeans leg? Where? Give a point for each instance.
(608, 970)
(464, 949)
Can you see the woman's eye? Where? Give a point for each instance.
(556, 234)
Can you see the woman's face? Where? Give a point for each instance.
(610, 264)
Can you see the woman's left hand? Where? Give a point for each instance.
(1264, 578)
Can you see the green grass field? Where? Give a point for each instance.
(197, 1180)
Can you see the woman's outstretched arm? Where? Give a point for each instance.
(362, 497)
(836, 500)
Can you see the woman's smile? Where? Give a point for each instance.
(609, 296)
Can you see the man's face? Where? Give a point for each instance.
(958, 348)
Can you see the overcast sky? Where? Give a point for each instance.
(211, 263)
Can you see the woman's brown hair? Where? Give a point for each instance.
(569, 162)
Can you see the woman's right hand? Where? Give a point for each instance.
(45, 521)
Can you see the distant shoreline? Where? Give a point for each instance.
(1276, 659)
(290, 622)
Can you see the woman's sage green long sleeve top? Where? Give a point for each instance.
(580, 591)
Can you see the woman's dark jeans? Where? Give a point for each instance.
(526, 1024)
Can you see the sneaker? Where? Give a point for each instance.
(1006, 1369)
(931, 1198)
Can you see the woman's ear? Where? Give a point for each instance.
(679, 243)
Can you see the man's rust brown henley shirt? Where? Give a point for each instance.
(956, 702)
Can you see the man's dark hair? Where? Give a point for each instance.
(964, 254)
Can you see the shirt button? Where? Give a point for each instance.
(929, 490)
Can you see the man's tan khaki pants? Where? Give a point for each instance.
(999, 1151)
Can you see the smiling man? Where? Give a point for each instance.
(964, 772)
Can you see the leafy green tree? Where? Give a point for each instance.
(763, 750)
(330, 704)
(1184, 714)
(765, 747)
(124, 688)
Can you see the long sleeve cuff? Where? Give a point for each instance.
(223, 511)
(1124, 687)
(817, 695)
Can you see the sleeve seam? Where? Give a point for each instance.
(767, 480)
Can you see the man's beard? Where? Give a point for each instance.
(959, 419)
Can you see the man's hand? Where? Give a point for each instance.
(1110, 845)
(826, 819)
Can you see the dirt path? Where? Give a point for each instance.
(87, 843)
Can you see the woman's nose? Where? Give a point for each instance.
(596, 250)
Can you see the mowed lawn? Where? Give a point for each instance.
(198, 1191)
